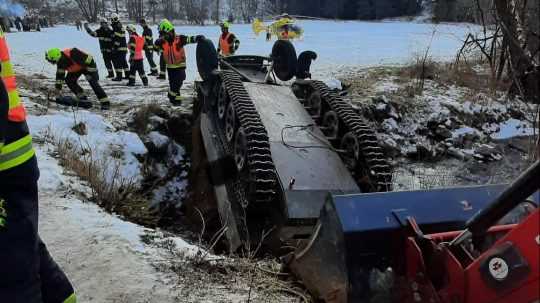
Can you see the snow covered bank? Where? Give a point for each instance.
(91, 136)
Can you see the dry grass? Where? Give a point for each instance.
(109, 188)
(143, 114)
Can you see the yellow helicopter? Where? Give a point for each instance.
(284, 28)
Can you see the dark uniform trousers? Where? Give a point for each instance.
(121, 61)
(93, 80)
(150, 57)
(28, 274)
(176, 79)
(108, 58)
(162, 65)
(137, 66)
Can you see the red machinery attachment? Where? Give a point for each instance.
(485, 263)
(456, 245)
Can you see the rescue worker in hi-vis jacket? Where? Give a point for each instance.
(136, 64)
(76, 63)
(105, 36)
(174, 55)
(228, 43)
(28, 273)
(149, 47)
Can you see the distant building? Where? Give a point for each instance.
(352, 9)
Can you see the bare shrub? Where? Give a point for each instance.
(109, 189)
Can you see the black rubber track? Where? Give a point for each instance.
(261, 172)
(373, 163)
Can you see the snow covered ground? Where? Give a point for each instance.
(339, 45)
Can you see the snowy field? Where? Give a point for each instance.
(340, 45)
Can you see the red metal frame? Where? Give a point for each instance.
(464, 281)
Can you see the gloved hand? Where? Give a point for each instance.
(199, 38)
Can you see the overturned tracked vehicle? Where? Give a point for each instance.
(274, 151)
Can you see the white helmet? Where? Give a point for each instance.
(103, 20)
(131, 28)
(114, 17)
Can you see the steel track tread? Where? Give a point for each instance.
(372, 153)
(262, 171)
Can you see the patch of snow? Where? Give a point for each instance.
(103, 141)
(512, 128)
(465, 131)
(334, 83)
(158, 139)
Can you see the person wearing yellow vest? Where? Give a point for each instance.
(228, 44)
(71, 64)
(174, 55)
(136, 64)
(28, 273)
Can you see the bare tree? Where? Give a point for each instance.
(89, 9)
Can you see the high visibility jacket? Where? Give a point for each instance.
(73, 60)
(15, 140)
(224, 44)
(174, 54)
(136, 46)
(74, 67)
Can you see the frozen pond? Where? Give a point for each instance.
(339, 45)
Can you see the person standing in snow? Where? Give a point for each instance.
(174, 54)
(119, 48)
(104, 34)
(162, 65)
(149, 47)
(78, 24)
(28, 273)
(136, 64)
(76, 63)
(228, 43)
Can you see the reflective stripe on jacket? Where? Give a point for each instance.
(136, 46)
(17, 148)
(174, 55)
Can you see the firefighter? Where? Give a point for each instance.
(76, 63)
(149, 47)
(162, 66)
(172, 46)
(136, 64)
(28, 273)
(228, 43)
(104, 33)
(119, 49)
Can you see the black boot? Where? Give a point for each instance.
(153, 73)
(118, 78)
(110, 75)
(131, 83)
(126, 76)
(161, 76)
(145, 81)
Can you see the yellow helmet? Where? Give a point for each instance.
(53, 55)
